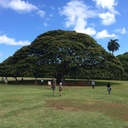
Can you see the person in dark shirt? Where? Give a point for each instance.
(109, 88)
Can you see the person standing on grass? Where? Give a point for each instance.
(6, 80)
(42, 81)
(109, 88)
(22, 79)
(60, 87)
(49, 84)
(53, 86)
(93, 84)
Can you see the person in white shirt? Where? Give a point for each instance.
(93, 84)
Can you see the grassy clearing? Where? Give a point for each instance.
(33, 106)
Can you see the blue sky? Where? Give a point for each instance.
(21, 21)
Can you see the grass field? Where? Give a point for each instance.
(33, 106)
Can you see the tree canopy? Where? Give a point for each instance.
(113, 45)
(63, 53)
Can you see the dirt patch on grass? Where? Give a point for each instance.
(115, 110)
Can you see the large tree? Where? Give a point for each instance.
(63, 53)
(113, 45)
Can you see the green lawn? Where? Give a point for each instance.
(33, 106)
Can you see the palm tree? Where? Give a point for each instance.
(113, 45)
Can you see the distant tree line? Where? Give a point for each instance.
(123, 58)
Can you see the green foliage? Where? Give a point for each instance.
(124, 61)
(67, 53)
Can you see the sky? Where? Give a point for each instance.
(21, 21)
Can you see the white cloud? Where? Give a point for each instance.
(88, 30)
(121, 30)
(107, 18)
(41, 13)
(105, 34)
(45, 24)
(107, 4)
(18, 5)
(11, 41)
(77, 13)
(21, 6)
(108, 11)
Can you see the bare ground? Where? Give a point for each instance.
(114, 110)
